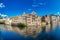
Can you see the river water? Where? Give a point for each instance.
(52, 35)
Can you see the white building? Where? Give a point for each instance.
(8, 24)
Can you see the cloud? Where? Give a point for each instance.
(29, 9)
(58, 13)
(2, 15)
(35, 5)
(2, 5)
(41, 3)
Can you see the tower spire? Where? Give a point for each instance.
(33, 12)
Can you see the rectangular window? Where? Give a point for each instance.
(29, 22)
(53, 18)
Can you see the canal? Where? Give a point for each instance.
(52, 35)
(2, 26)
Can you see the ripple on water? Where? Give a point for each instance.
(11, 35)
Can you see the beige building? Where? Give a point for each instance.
(35, 23)
(7, 24)
(32, 20)
(55, 21)
(52, 22)
(59, 20)
(16, 19)
(48, 22)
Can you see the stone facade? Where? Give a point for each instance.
(36, 23)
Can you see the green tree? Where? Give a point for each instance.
(2, 22)
(22, 25)
(43, 28)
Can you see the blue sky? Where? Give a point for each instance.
(17, 7)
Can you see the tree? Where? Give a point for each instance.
(43, 29)
(44, 26)
(22, 25)
(2, 22)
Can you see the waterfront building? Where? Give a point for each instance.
(7, 24)
(48, 23)
(36, 24)
(33, 22)
(16, 19)
(59, 21)
(55, 20)
(2, 22)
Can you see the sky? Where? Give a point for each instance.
(17, 7)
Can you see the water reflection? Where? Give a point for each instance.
(52, 35)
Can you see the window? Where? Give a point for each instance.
(53, 18)
(33, 15)
(28, 19)
(33, 20)
(29, 22)
(59, 18)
